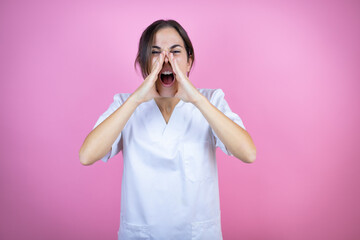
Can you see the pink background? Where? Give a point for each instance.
(290, 69)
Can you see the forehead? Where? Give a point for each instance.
(167, 36)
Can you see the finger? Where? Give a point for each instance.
(175, 66)
(171, 60)
(155, 64)
(161, 61)
(158, 65)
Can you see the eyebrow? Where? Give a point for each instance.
(173, 46)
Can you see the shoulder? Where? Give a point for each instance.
(212, 94)
(120, 98)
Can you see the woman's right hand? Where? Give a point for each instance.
(147, 90)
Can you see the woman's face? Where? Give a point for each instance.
(168, 39)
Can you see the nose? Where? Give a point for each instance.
(166, 60)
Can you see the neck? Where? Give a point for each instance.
(167, 104)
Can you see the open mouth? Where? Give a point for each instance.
(167, 78)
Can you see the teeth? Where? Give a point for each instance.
(167, 73)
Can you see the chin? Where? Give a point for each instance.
(166, 92)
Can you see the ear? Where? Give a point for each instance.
(189, 65)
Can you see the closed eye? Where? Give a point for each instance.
(156, 52)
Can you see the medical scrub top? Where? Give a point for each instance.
(170, 181)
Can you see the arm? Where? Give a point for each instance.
(100, 139)
(235, 138)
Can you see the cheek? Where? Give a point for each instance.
(181, 61)
(179, 56)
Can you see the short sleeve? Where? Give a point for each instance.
(117, 145)
(218, 100)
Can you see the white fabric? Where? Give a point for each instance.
(170, 182)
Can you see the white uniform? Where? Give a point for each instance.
(170, 182)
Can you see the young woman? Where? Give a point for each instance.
(168, 132)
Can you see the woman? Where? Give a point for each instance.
(168, 131)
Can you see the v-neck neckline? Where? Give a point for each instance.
(171, 115)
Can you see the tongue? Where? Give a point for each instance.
(167, 79)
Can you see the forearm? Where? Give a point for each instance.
(100, 139)
(235, 138)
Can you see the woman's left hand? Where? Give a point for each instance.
(186, 90)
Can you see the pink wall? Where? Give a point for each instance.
(289, 69)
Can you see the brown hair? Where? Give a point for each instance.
(146, 40)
